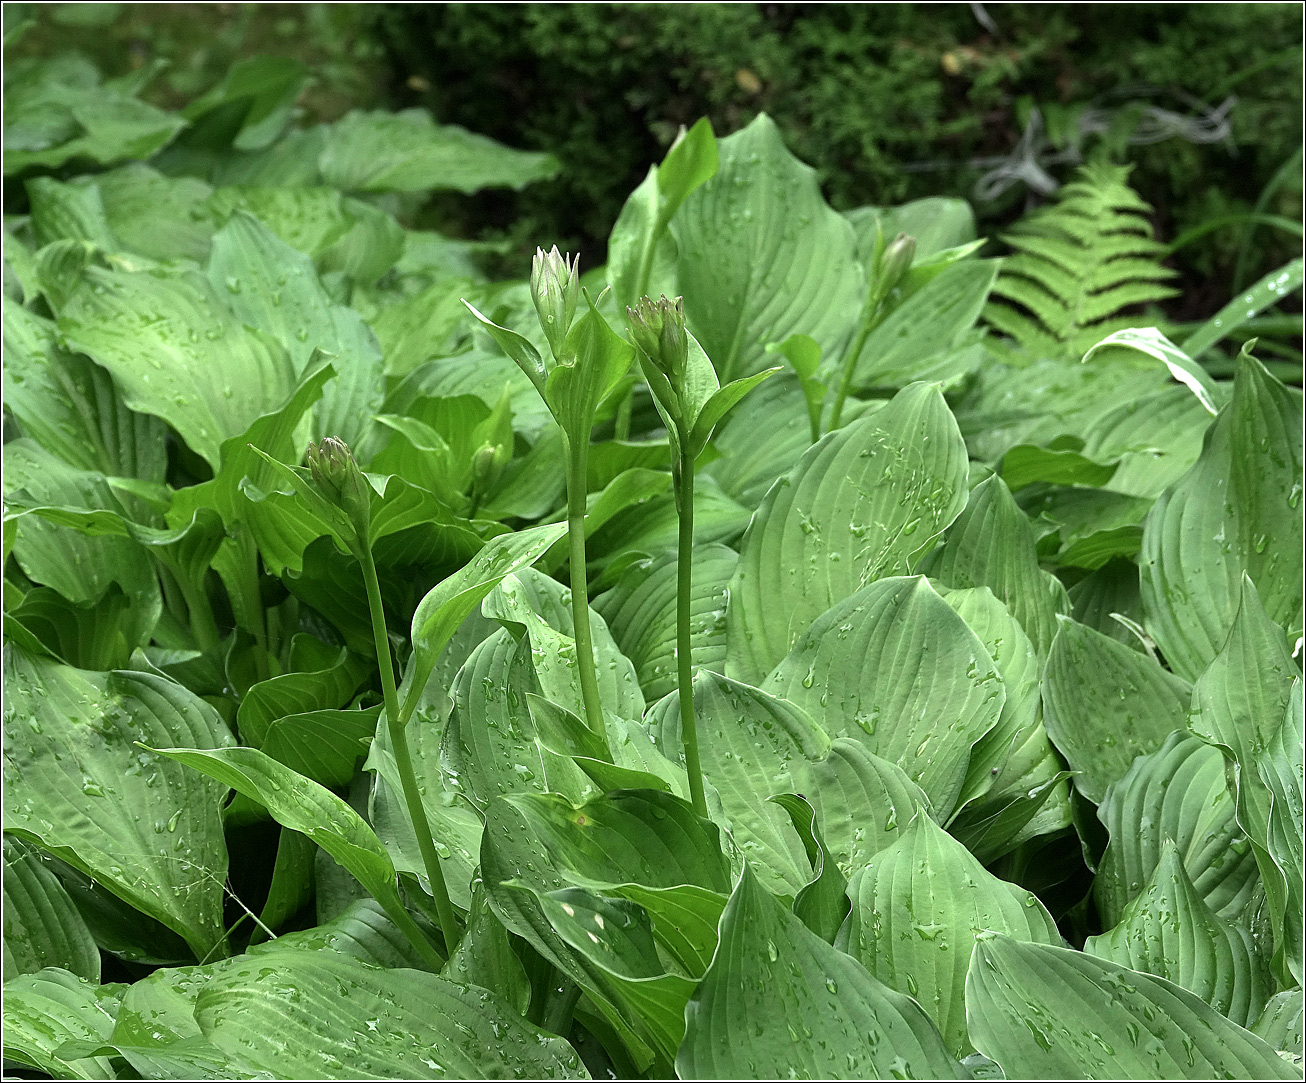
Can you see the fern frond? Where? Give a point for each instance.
(1077, 264)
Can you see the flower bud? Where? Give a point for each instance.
(897, 262)
(488, 463)
(341, 482)
(555, 289)
(659, 331)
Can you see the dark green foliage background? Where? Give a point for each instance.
(859, 90)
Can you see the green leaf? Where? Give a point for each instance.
(79, 567)
(485, 957)
(1151, 344)
(519, 348)
(922, 338)
(42, 926)
(1046, 1012)
(512, 859)
(751, 745)
(645, 837)
(863, 503)
(148, 831)
(616, 935)
(597, 360)
(1156, 436)
(321, 688)
(323, 745)
(70, 406)
(863, 802)
(936, 223)
(992, 545)
(1013, 768)
(316, 1015)
(274, 289)
(1180, 791)
(761, 255)
(42, 1011)
(640, 611)
(177, 352)
(1234, 512)
(1104, 704)
(919, 905)
(895, 662)
(1280, 768)
(408, 152)
(415, 329)
(1268, 291)
(804, 355)
(822, 904)
(302, 805)
(1167, 930)
(721, 402)
(1281, 1022)
(260, 91)
(779, 1001)
(1025, 464)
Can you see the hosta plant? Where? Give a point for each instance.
(414, 676)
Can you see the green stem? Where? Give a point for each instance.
(403, 758)
(849, 366)
(684, 646)
(577, 464)
(621, 428)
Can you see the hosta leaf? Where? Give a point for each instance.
(761, 255)
(1047, 1012)
(312, 1014)
(79, 567)
(895, 662)
(509, 852)
(862, 802)
(1149, 343)
(42, 926)
(1104, 704)
(992, 545)
(640, 611)
(485, 957)
(323, 687)
(616, 935)
(1013, 765)
(541, 606)
(408, 152)
(149, 831)
(1281, 1022)
(71, 407)
(918, 906)
(750, 745)
(322, 745)
(935, 222)
(861, 504)
(1156, 437)
(302, 805)
(273, 288)
(779, 1001)
(177, 352)
(645, 837)
(449, 603)
(921, 338)
(1236, 511)
(1180, 792)
(1167, 930)
(489, 741)
(822, 904)
(1280, 769)
(42, 1011)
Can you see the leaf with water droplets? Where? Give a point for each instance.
(94, 799)
(863, 503)
(766, 1009)
(1045, 1012)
